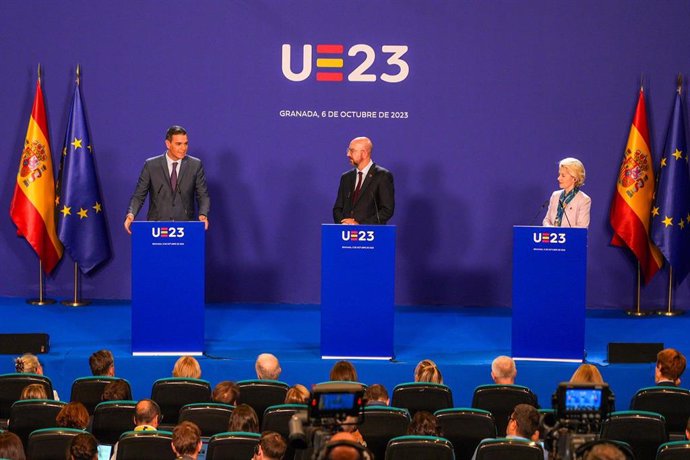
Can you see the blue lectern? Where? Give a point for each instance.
(357, 291)
(549, 284)
(168, 288)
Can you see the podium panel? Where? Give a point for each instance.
(168, 288)
(549, 285)
(357, 291)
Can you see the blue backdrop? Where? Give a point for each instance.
(490, 96)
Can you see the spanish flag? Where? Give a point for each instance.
(33, 202)
(632, 203)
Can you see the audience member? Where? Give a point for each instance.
(11, 447)
(147, 417)
(297, 394)
(267, 367)
(73, 415)
(424, 424)
(606, 451)
(523, 423)
(343, 371)
(28, 363)
(34, 391)
(243, 418)
(226, 392)
(83, 447)
(115, 391)
(345, 446)
(187, 367)
(186, 440)
(427, 371)
(102, 363)
(587, 373)
(503, 370)
(271, 446)
(376, 395)
(670, 365)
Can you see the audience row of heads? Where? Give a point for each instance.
(84, 446)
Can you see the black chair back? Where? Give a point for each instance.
(33, 414)
(500, 400)
(89, 390)
(145, 445)
(644, 431)
(173, 392)
(11, 386)
(51, 443)
(513, 449)
(261, 394)
(276, 418)
(671, 402)
(676, 450)
(416, 396)
(211, 418)
(111, 419)
(234, 445)
(419, 447)
(465, 428)
(380, 425)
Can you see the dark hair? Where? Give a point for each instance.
(101, 361)
(115, 391)
(376, 392)
(527, 419)
(243, 418)
(343, 371)
(73, 415)
(174, 129)
(272, 444)
(226, 392)
(146, 411)
(186, 438)
(11, 446)
(83, 447)
(424, 424)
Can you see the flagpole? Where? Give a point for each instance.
(75, 301)
(669, 308)
(637, 312)
(41, 300)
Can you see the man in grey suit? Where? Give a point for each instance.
(172, 181)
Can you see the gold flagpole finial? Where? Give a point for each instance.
(39, 72)
(679, 81)
(78, 73)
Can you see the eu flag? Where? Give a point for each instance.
(671, 210)
(81, 218)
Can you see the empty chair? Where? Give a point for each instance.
(276, 418)
(111, 419)
(261, 394)
(50, 443)
(671, 402)
(173, 392)
(644, 431)
(89, 390)
(380, 425)
(513, 449)
(33, 414)
(211, 418)
(145, 445)
(624, 447)
(500, 400)
(11, 386)
(418, 447)
(232, 445)
(416, 396)
(675, 450)
(465, 428)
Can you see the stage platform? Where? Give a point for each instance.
(461, 340)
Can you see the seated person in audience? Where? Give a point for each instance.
(11, 446)
(226, 392)
(523, 424)
(503, 370)
(271, 446)
(424, 424)
(605, 451)
(243, 418)
(670, 365)
(687, 429)
(147, 417)
(267, 367)
(187, 367)
(102, 363)
(73, 415)
(186, 441)
(83, 447)
(343, 371)
(297, 394)
(348, 451)
(29, 364)
(34, 391)
(376, 395)
(587, 373)
(116, 390)
(427, 371)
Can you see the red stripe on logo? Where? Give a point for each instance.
(329, 76)
(330, 49)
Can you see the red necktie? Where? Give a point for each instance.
(355, 196)
(173, 177)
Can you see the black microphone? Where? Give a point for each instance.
(376, 206)
(541, 208)
(562, 205)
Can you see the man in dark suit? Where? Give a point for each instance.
(366, 194)
(172, 181)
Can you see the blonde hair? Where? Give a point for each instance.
(187, 367)
(297, 394)
(575, 168)
(587, 373)
(28, 363)
(427, 371)
(34, 391)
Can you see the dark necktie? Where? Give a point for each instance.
(173, 177)
(358, 189)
